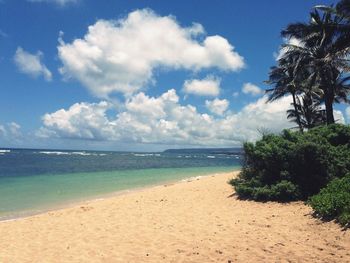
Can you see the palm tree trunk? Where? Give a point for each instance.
(329, 99)
(329, 109)
(297, 112)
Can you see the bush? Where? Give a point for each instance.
(293, 165)
(281, 191)
(333, 202)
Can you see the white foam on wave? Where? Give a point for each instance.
(194, 178)
(72, 153)
(4, 151)
(211, 156)
(82, 153)
(55, 153)
(143, 154)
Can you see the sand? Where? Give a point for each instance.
(196, 221)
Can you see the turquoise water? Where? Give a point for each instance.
(27, 195)
(29, 191)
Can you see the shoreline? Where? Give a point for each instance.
(188, 221)
(102, 197)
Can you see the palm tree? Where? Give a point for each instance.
(323, 52)
(342, 88)
(310, 112)
(342, 9)
(285, 80)
(342, 12)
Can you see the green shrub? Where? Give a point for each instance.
(293, 165)
(333, 202)
(282, 191)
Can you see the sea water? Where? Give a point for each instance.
(32, 181)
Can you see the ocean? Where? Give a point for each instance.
(33, 181)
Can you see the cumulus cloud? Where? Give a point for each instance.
(122, 55)
(249, 88)
(217, 106)
(10, 131)
(209, 86)
(338, 116)
(81, 120)
(164, 120)
(31, 64)
(58, 2)
(14, 129)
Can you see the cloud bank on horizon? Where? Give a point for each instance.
(11, 132)
(165, 120)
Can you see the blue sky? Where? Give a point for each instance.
(140, 75)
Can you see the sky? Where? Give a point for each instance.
(141, 75)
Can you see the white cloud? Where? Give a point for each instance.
(249, 88)
(10, 131)
(163, 120)
(217, 106)
(2, 131)
(291, 41)
(121, 56)
(31, 64)
(347, 113)
(209, 86)
(339, 117)
(58, 2)
(14, 129)
(81, 120)
(235, 94)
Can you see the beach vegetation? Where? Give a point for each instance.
(333, 201)
(312, 163)
(293, 165)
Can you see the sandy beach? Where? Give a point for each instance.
(189, 221)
